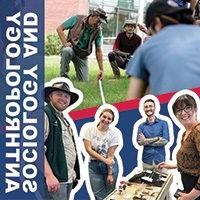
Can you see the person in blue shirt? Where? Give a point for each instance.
(169, 60)
(153, 134)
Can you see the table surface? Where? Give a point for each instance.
(143, 191)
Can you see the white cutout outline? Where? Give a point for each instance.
(175, 120)
(177, 183)
(72, 124)
(86, 155)
(135, 130)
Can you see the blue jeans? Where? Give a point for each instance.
(62, 194)
(98, 173)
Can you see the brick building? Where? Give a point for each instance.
(57, 11)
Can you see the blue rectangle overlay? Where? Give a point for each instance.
(21, 100)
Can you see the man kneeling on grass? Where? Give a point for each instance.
(83, 32)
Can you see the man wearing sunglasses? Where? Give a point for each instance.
(83, 31)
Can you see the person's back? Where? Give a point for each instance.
(170, 59)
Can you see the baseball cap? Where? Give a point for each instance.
(163, 7)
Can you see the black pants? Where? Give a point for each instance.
(189, 182)
(117, 61)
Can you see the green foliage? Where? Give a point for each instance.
(115, 90)
(52, 45)
(109, 28)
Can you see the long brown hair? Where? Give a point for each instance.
(109, 111)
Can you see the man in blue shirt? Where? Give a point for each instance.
(153, 134)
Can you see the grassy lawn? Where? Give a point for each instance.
(115, 90)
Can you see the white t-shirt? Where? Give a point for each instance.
(100, 141)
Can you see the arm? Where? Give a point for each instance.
(137, 88)
(92, 153)
(68, 24)
(143, 29)
(160, 142)
(110, 154)
(194, 193)
(99, 57)
(121, 52)
(167, 165)
(116, 43)
(153, 141)
(143, 141)
(52, 182)
(60, 31)
(193, 4)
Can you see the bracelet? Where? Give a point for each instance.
(110, 174)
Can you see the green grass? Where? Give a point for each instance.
(115, 90)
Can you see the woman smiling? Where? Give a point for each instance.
(188, 156)
(100, 142)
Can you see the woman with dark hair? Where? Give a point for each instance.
(188, 156)
(101, 141)
(173, 48)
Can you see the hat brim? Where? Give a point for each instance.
(49, 90)
(103, 21)
(134, 24)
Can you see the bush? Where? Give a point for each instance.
(52, 45)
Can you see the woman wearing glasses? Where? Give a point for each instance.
(188, 156)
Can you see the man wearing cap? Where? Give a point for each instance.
(61, 162)
(124, 46)
(169, 60)
(83, 32)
